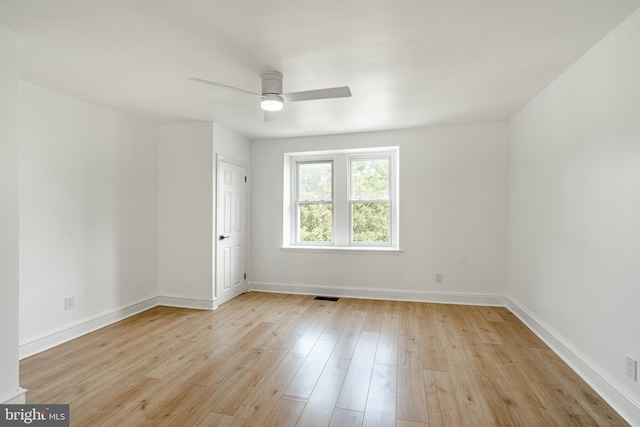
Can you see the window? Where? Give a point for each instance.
(342, 199)
(314, 201)
(369, 201)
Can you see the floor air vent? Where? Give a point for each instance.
(327, 298)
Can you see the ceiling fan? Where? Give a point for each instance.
(272, 98)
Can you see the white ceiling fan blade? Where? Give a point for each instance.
(207, 82)
(334, 92)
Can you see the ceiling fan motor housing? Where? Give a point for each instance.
(271, 82)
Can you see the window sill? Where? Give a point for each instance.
(343, 249)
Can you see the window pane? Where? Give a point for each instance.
(314, 181)
(370, 179)
(316, 223)
(371, 222)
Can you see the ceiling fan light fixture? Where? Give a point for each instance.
(271, 102)
(272, 97)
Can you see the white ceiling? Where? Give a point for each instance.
(408, 63)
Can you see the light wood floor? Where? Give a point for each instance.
(284, 360)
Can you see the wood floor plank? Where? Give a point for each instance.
(88, 391)
(492, 314)
(306, 342)
(484, 328)
(477, 354)
(322, 402)
(138, 407)
(409, 423)
(569, 408)
(381, 399)
(203, 365)
(562, 413)
(185, 408)
(453, 350)
(176, 359)
(387, 351)
(355, 389)
(285, 414)
(515, 332)
(346, 418)
(409, 320)
(216, 420)
(514, 375)
(349, 335)
(252, 407)
(281, 311)
(411, 399)
(234, 366)
(232, 395)
(131, 388)
(182, 327)
(286, 360)
(432, 352)
(295, 320)
(250, 333)
(61, 379)
(375, 315)
(36, 371)
(303, 383)
(444, 317)
(322, 314)
(335, 318)
(480, 361)
(470, 401)
(578, 389)
(393, 307)
(152, 347)
(502, 403)
(442, 408)
(112, 399)
(275, 339)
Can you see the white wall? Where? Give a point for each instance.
(574, 213)
(228, 143)
(187, 171)
(186, 212)
(453, 204)
(9, 191)
(88, 211)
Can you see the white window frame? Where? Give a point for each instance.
(341, 199)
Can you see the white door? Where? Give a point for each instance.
(230, 253)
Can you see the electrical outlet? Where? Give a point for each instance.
(438, 277)
(632, 368)
(68, 303)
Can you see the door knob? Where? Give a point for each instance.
(222, 237)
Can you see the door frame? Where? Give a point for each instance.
(245, 219)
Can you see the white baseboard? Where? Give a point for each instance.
(14, 397)
(198, 304)
(603, 383)
(67, 333)
(382, 294)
